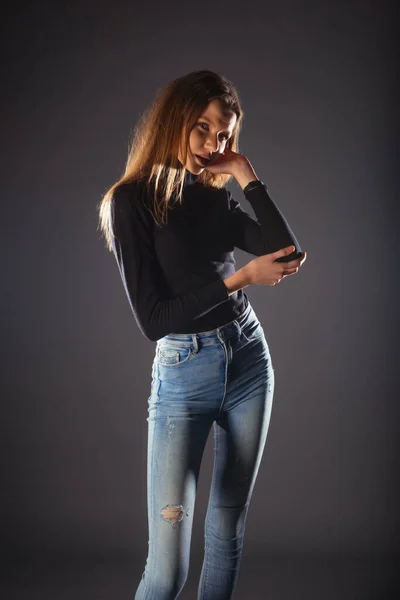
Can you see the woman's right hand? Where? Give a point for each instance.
(263, 270)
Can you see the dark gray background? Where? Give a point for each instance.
(317, 87)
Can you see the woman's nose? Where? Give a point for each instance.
(213, 144)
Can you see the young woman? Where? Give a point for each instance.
(172, 226)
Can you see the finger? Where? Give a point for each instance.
(298, 261)
(287, 271)
(283, 252)
(290, 272)
(304, 257)
(292, 264)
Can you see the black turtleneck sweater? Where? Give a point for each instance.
(173, 275)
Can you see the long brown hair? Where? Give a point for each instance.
(162, 132)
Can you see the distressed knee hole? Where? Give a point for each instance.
(172, 514)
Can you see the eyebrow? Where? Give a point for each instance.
(219, 121)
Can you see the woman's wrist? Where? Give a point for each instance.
(239, 280)
(244, 173)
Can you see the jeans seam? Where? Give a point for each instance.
(210, 504)
(152, 453)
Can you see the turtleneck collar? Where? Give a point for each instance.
(190, 178)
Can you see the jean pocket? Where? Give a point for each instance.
(173, 356)
(253, 331)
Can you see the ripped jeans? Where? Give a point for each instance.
(222, 378)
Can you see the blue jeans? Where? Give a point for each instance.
(222, 378)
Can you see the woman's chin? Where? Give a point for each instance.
(197, 166)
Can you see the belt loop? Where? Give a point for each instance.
(238, 327)
(195, 342)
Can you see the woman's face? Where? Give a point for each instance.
(209, 136)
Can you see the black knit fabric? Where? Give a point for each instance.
(173, 275)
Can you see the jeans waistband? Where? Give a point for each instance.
(226, 331)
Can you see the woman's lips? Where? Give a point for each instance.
(203, 161)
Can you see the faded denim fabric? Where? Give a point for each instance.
(223, 379)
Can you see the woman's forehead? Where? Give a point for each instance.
(218, 115)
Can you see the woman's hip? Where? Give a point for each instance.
(200, 370)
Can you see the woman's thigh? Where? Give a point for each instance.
(240, 431)
(180, 418)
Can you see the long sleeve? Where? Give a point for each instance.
(156, 313)
(269, 233)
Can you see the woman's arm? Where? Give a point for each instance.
(156, 313)
(271, 231)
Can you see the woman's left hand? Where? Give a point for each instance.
(226, 162)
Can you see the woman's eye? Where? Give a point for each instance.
(226, 137)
